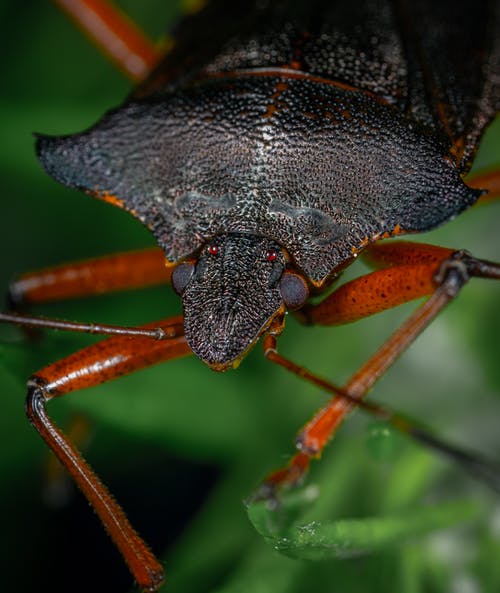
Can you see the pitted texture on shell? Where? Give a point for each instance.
(232, 295)
(438, 61)
(317, 169)
(354, 42)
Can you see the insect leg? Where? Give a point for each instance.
(34, 323)
(482, 468)
(114, 34)
(97, 364)
(122, 271)
(416, 270)
(407, 273)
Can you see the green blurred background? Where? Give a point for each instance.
(181, 446)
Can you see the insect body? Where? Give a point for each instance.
(265, 153)
(268, 158)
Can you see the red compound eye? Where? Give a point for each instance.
(213, 249)
(271, 255)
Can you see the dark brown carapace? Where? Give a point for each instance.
(274, 143)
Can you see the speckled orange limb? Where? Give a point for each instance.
(115, 35)
(94, 365)
(407, 271)
(99, 275)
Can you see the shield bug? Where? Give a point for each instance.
(265, 152)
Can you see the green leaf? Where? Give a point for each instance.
(351, 537)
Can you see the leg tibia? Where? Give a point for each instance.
(114, 34)
(96, 364)
(146, 569)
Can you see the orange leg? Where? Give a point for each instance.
(115, 34)
(417, 270)
(489, 180)
(97, 364)
(407, 273)
(57, 483)
(123, 271)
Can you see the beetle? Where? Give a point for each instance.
(244, 214)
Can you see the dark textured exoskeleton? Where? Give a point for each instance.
(288, 136)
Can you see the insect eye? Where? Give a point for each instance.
(271, 255)
(181, 277)
(213, 249)
(294, 290)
